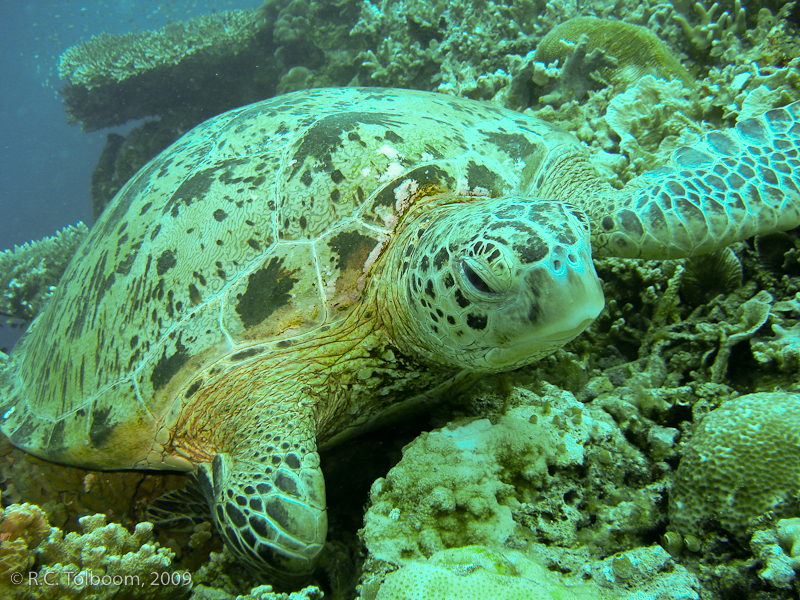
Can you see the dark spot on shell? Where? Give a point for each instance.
(351, 249)
(337, 177)
(168, 366)
(440, 258)
(245, 354)
(101, 428)
(235, 515)
(287, 484)
(220, 215)
(391, 136)
(462, 302)
(261, 527)
(515, 145)
(292, 461)
(193, 189)
(268, 289)
(481, 176)
(165, 262)
(194, 295)
(276, 509)
(56, 442)
(630, 222)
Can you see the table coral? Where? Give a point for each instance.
(724, 478)
(112, 79)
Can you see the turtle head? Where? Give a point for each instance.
(495, 284)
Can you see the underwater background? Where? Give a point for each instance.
(655, 457)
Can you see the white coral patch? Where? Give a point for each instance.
(389, 153)
(393, 171)
(403, 194)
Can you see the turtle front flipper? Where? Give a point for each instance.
(267, 498)
(732, 185)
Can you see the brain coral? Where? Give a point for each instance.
(742, 463)
(638, 50)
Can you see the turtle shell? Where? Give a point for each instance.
(256, 226)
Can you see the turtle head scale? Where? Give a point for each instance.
(498, 283)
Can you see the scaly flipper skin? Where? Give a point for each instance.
(731, 186)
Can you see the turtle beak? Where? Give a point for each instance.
(556, 302)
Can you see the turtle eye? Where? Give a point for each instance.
(471, 276)
(476, 281)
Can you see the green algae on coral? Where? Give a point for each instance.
(637, 50)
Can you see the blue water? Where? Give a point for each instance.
(45, 164)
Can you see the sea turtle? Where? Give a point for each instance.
(296, 270)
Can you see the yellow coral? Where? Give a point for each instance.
(637, 50)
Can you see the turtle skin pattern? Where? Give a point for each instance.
(300, 269)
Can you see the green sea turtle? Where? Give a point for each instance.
(298, 269)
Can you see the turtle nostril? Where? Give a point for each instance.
(556, 265)
(572, 258)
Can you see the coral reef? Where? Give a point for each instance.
(778, 550)
(712, 31)
(29, 273)
(462, 496)
(103, 562)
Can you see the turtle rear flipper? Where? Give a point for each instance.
(732, 185)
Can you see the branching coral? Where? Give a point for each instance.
(712, 30)
(104, 562)
(29, 273)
